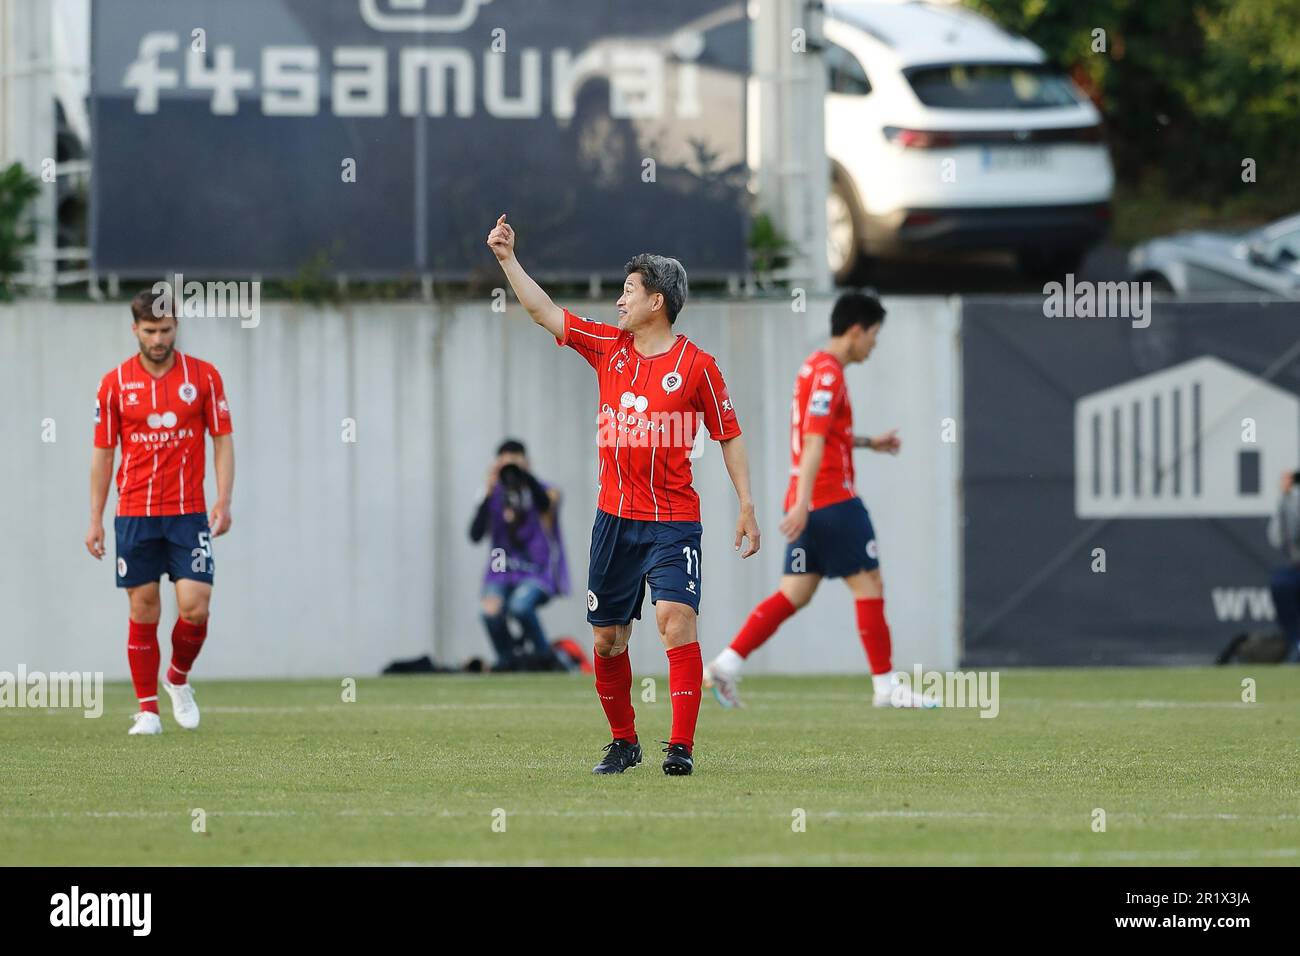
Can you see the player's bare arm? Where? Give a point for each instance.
(733, 453)
(101, 476)
(793, 524)
(888, 442)
(223, 461)
(501, 240)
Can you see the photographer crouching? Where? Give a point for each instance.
(526, 567)
(1284, 534)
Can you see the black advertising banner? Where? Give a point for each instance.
(1118, 479)
(382, 138)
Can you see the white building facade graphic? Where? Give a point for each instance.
(1198, 440)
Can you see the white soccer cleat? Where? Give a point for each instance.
(146, 723)
(723, 685)
(897, 693)
(184, 709)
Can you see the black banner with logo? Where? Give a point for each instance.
(1118, 479)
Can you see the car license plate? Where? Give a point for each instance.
(1003, 158)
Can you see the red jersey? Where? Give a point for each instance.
(821, 407)
(160, 422)
(651, 410)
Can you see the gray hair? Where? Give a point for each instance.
(664, 275)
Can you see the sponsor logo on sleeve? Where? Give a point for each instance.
(820, 403)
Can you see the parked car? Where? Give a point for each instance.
(1265, 260)
(946, 132)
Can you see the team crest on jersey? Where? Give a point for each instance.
(828, 378)
(672, 382)
(132, 398)
(187, 392)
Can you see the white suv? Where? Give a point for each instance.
(945, 132)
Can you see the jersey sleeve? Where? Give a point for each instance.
(712, 401)
(108, 417)
(825, 394)
(216, 410)
(592, 340)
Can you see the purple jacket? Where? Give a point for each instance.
(523, 549)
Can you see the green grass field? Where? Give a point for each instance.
(413, 771)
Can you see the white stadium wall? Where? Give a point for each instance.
(344, 556)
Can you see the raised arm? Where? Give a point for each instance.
(531, 296)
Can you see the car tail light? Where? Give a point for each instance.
(920, 219)
(939, 139)
(919, 138)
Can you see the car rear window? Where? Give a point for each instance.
(991, 86)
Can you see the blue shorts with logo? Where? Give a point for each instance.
(625, 554)
(178, 545)
(837, 543)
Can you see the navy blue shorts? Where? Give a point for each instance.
(179, 545)
(626, 553)
(837, 543)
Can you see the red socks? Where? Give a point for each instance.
(143, 656)
(762, 623)
(614, 687)
(875, 634)
(187, 639)
(685, 674)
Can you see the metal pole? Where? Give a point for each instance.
(27, 118)
(793, 169)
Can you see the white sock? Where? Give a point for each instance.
(882, 683)
(729, 662)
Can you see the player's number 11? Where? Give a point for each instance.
(692, 554)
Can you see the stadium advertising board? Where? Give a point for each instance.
(1118, 481)
(382, 138)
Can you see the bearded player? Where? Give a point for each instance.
(827, 527)
(158, 403)
(656, 389)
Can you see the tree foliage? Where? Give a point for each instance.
(1189, 88)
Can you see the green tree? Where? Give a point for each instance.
(17, 190)
(1189, 88)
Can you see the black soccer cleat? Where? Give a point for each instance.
(620, 755)
(679, 762)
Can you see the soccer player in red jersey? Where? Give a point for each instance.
(827, 528)
(657, 391)
(158, 403)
